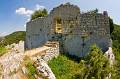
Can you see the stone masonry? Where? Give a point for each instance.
(75, 31)
(42, 55)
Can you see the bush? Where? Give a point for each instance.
(94, 66)
(39, 13)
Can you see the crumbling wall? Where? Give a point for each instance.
(79, 30)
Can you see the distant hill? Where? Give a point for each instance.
(14, 37)
(1, 39)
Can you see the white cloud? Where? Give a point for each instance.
(39, 7)
(28, 12)
(24, 11)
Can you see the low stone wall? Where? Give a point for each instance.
(42, 55)
(19, 47)
(47, 52)
(11, 61)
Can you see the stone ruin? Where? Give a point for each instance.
(75, 31)
(42, 55)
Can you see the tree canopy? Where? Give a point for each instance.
(95, 65)
(39, 13)
(111, 25)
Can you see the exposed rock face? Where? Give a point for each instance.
(110, 55)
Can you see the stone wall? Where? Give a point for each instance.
(12, 61)
(78, 30)
(42, 55)
(46, 52)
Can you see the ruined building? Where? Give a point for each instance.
(75, 31)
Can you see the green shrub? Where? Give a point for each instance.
(94, 66)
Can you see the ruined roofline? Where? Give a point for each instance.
(101, 14)
(71, 5)
(64, 5)
(39, 18)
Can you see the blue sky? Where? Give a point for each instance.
(15, 13)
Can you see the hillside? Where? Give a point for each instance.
(116, 36)
(14, 37)
(1, 39)
(69, 68)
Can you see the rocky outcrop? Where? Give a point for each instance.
(11, 61)
(110, 55)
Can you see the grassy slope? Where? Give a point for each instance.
(63, 67)
(3, 50)
(15, 37)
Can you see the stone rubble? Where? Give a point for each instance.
(11, 61)
(41, 61)
(45, 69)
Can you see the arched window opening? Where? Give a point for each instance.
(58, 25)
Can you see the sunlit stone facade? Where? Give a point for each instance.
(75, 31)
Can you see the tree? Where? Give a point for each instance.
(39, 13)
(95, 66)
(111, 25)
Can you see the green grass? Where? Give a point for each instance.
(30, 67)
(3, 50)
(63, 67)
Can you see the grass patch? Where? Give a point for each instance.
(30, 67)
(3, 50)
(63, 67)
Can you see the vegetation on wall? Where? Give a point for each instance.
(39, 13)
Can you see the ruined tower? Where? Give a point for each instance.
(75, 31)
